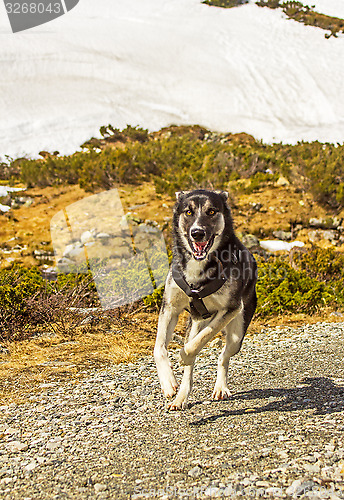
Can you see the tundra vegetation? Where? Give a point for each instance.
(293, 10)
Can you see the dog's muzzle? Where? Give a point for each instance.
(199, 245)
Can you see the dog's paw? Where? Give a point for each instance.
(185, 359)
(169, 392)
(221, 393)
(178, 404)
(169, 387)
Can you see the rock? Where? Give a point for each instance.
(54, 445)
(250, 241)
(262, 483)
(300, 487)
(4, 350)
(256, 206)
(330, 235)
(282, 235)
(325, 222)
(282, 181)
(321, 234)
(16, 446)
(22, 201)
(73, 250)
(31, 466)
(195, 472)
(64, 265)
(98, 487)
(43, 255)
(86, 236)
(314, 468)
(49, 273)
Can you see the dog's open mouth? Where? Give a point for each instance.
(200, 248)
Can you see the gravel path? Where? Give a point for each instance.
(281, 435)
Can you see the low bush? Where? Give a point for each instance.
(306, 15)
(282, 289)
(191, 157)
(27, 300)
(324, 265)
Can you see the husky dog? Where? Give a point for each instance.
(213, 276)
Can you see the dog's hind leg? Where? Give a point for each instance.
(180, 401)
(234, 336)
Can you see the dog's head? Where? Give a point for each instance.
(200, 220)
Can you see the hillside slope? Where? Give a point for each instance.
(244, 69)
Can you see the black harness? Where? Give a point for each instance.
(197, 305)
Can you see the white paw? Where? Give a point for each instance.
(169, 387)
(221, 392)
(185, 359)
(178, 404)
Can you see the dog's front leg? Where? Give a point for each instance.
(167, 322)
(218, 322)
(180, 401)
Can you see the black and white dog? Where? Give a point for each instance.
(213, 276)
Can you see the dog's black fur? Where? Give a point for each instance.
(231, 251)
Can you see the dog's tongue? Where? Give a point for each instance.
(200, 246)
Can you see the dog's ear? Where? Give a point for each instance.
(223, 194)
(181, 194)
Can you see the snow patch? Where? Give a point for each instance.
(4, 190)
(279, 245)
(4, 208)
(157, 62)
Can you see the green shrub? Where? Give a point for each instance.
(182, 158)
(17, 285)
(306, 15)
(27, 300)
(282, 289)
(53, 170)
(260, 180)
(324, 265)
(154, 300)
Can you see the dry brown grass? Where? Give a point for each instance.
(30, 226)
(47, 358)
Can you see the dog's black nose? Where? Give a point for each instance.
(198, 234)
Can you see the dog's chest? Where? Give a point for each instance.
(217, 301)
(194, 272)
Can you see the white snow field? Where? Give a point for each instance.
(159, 62)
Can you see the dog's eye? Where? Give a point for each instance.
(211, 211)
(188, 212)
